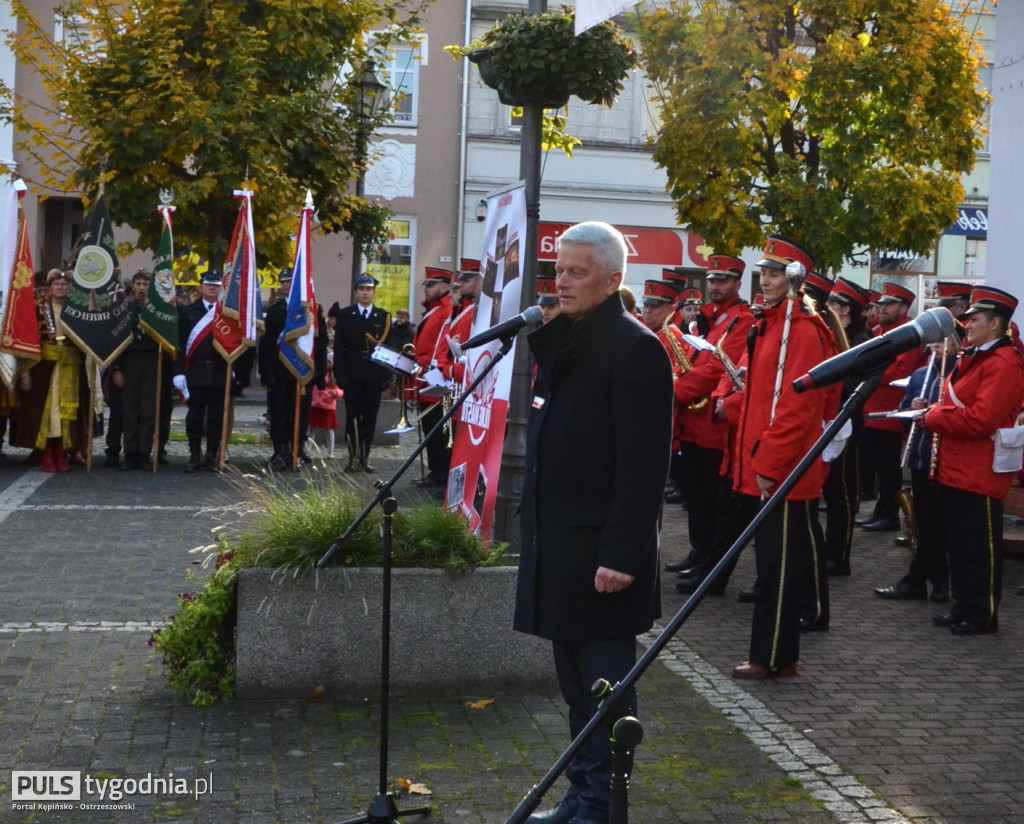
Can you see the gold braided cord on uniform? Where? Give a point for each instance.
(371, 341)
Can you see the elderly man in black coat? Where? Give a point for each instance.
(598, 445)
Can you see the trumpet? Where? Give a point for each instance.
(682, 364)
(403, 424)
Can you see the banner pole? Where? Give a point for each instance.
(225, 417)
(295, 427)
(156, 413)
(93, 379)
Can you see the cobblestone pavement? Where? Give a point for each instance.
(890, 719)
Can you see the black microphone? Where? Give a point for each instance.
(507, 328)
(928, 327)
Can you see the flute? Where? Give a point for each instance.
(913, 424)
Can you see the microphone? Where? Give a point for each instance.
(928, 327)
(531, 317)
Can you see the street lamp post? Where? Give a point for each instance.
(372, 100)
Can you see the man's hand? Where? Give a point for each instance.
(25, 382)
(117, 378)
(766, 485)
(609, 580)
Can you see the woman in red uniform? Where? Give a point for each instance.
(984, 393)
(776, 428)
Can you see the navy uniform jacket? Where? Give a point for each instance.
(352, 348)
(598, 443)
(205, 367)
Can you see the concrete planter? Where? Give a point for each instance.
(450, 634)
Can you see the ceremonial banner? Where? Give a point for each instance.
(19, 333)
(159, 317)
(480, 434)
(296, 344)
(97, 313)
(238, 313)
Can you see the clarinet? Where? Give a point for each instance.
(933, 463)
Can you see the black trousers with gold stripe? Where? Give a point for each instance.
(785, 550)
(972, 528)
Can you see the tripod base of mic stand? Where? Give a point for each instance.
(384, 810)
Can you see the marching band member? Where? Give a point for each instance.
(841, 492)
(547, 297)
(983, 395)
(460, 326)
(776, 428)
(883, 437)
(708, 494)
(437, 304)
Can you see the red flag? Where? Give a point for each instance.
(240, 310)
(19, 332)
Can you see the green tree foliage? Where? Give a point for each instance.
(200, 96)
(843, 123)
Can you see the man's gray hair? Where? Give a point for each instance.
(609, 246)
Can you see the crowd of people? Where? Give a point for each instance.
(716, 409)
(683, 399)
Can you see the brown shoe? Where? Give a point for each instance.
(749, 671)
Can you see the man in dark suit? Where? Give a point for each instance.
(200, 373)
(361, 327)
(598, 443)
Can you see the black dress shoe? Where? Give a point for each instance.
(746, 596)
(690, 572)
(881, 525)
(902, 591)
(900, 540)
(562, 813)
(688, 562)
(674, 497)
(946, 620)
(834, 569)
(970, 628)
(689, 586)
(939, 596)
(807, 625)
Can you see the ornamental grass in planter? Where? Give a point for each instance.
(288, 528)
(539, 58)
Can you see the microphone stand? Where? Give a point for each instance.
(613, 698)
(383, 809)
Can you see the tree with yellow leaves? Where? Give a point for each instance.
(199, 96)
(846, 124)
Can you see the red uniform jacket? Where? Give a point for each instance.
(886, 397)
(774, 449)
(434, 318)
(702, 380)
(459, 330)
(984, 393)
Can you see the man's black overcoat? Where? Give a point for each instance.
(598, 443)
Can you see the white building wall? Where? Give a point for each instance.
(1006, 214)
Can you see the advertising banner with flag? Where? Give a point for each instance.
(19, 332)
(235, 324)
(480, 434)
(158, 315)
(97, 312)
(296, 345)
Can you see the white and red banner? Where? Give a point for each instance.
(240, 310)
(480, 433)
